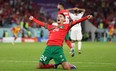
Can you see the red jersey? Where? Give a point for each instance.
(67, 17)
(58, 33)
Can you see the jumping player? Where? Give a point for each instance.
(56, 37)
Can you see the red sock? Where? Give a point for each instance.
(68, 43)
(48, 66)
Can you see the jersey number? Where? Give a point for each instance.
(43, 58)
(67, 20)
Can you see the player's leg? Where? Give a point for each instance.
(14, 39)
(40, 65)
(59, 58)
(79, 46)
(79, 38)
(67, 40)
(73, 38)
(73, 47)
(45, 58)
(68, 66)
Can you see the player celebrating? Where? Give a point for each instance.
(56, 37)
(76, 31)
(61, 9)
(15, 31)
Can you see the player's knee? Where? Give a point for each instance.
(66, 66)
(39, 65)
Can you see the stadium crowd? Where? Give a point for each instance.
(103, 10)
(15, 11)
(18, 11)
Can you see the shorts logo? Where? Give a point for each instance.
(60, 56)
(62, 59)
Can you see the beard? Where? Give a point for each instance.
(58, 9)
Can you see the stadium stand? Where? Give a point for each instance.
(16, 12)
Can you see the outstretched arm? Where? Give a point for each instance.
(82, 19)
(78, 9)
(37, 21)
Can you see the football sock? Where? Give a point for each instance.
(48, 66)
(79, 45)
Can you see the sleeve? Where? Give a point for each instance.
(80, 20)
(38, 22)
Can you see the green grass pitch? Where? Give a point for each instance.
(96, 56)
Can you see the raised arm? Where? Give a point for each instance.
(37, 21)
(82, 19)
(78, 9)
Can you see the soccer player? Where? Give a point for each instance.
(76, 30)
(56, 37)
(15, 31)
(61, 9)
(111, 32)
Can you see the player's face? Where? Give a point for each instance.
(60, 19)
(59, 7)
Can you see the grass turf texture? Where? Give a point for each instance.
(96, 56)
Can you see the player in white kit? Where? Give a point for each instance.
(76, 30)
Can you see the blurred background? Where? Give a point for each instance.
(17, 12)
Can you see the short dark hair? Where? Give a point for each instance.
(62, 14)
(61, 4)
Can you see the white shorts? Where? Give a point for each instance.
(76, 35)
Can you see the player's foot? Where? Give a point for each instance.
(72, 52)
(79, 52)
(55, 66)
(73, 66)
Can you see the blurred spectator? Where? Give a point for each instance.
(5, 33)
(101, 9)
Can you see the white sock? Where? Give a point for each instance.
(79, 45)
(73, 45)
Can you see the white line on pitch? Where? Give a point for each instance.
(15, 61)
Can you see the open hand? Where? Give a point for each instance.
(31, 17)
(89, 16)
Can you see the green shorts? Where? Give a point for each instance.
(53, 52)
(67, 36)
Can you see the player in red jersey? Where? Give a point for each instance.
(61, 9)
(56, 37)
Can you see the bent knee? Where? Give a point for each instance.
(39, 65)
(66, 68)
(66, 65)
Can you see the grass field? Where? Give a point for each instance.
(96, 56)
